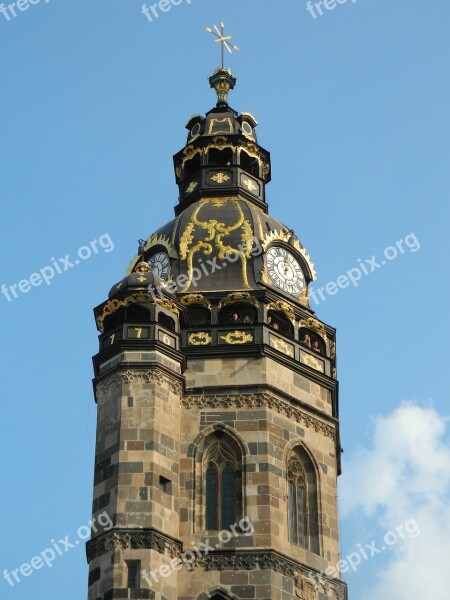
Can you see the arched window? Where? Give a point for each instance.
(192, 166)
(312, 340)
(222, 467)
(197, 315)
(303, 522)
(249, 164)
(238, 314)
(166, 321)
(280, 322)
(135, 313)
(220, 158)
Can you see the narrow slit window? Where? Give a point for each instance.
(133, 569)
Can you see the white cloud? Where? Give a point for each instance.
(404, 475)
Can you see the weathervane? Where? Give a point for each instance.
(222, 39)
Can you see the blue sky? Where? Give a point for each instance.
(353, 106)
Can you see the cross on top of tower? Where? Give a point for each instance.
(222, 79)
(222, 39)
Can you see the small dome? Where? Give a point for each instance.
(141, 279)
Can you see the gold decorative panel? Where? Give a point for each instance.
(200, 338)
(312, 361)
(281, 346)
(237, 337)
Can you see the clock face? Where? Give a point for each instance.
(159, 264)
(285, 271)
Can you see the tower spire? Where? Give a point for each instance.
(222, 79)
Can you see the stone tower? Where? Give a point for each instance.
(217, 449)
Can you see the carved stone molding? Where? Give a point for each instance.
(156, 375)
(308, 583)
(258, 400)
(142, 539)
(305, 588)
(104, 386)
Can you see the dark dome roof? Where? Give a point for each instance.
(217, 245)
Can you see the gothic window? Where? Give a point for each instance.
(222, 467)
(133, 568)
(303, 524)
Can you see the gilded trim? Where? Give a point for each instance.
(215, 231)
(237, 337)
(113, 305)
(237, 297)
(283, 307)
(199, 338)
(191, 299)
(314, 325)
(285, 236)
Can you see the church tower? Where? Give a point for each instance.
(217, 450)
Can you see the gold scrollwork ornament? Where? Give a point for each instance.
(113, 305)
(237, 337)
(200, 338)
(238, 297)
(199, 299)
(284, 307)
(314, 325)
(214, 232)
(168, 305)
